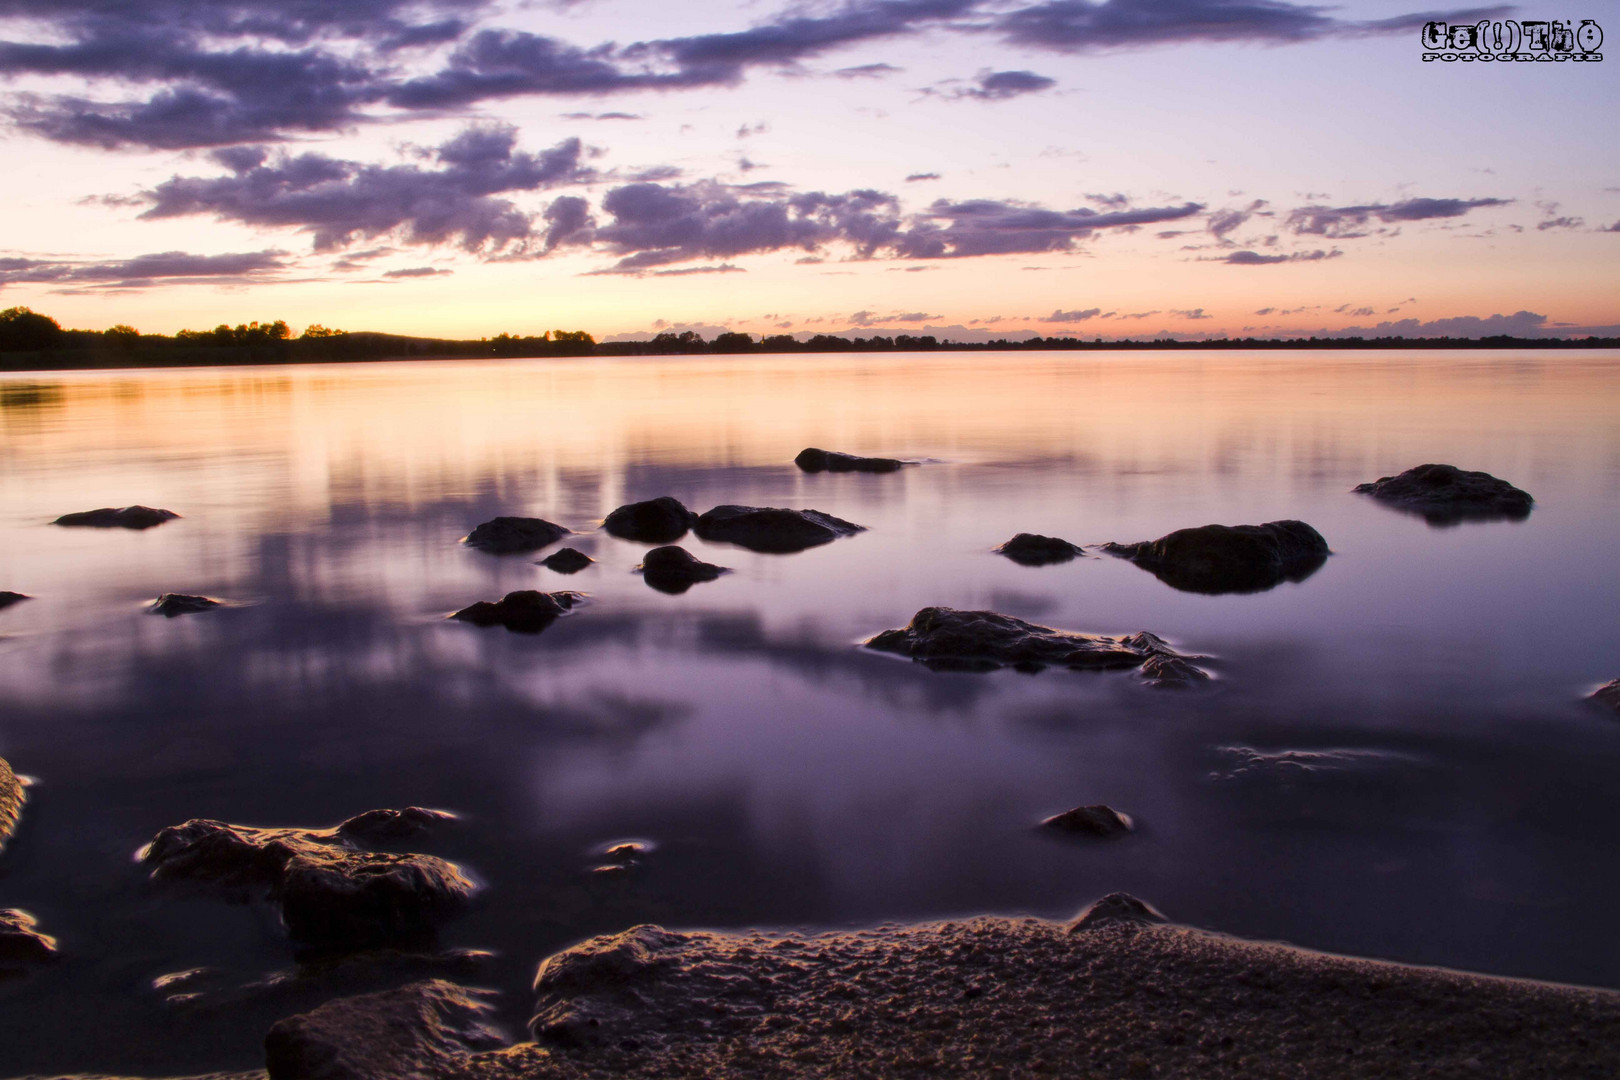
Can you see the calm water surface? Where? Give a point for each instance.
(788, 777)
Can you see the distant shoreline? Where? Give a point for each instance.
(367, 347)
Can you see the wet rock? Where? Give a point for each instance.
(9, 598)
(525, 611)
(1097, 821)
(1032, 549)
(567, 560)
(774, 530)
(811, 459)
(627, 852)
(1446, 495)
(596, 981)
(12, 797)
(509, 535)
(416, 1032)
(657, 521)
(949, 640)
(173, 604)
(674, 569)
(128, 517)
(331, 894)
(1114, 909)
(21, 945)
(387, 826)
(1230, 558)
(1607, 695)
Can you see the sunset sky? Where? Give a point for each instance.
(967, 168)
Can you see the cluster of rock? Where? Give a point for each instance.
(331, 892)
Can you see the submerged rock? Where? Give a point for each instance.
(12, 797)
(657, 521)
(387, 826)
(128, 517)
(1099, 821)
(509, 535)
(173, 604)
(567, 560)
(421, 1031)
(1607, 695)
(811, 459)
(771, 529)
(1114, 909)
(21, 945)
(9, 598)
(525, 611)
(330, 892)
(949, 640)
(1446, 495)
(1230, 558)
(674, 569)
(1032, 549)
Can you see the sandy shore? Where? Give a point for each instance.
(983, 997)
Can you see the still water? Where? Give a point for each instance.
(786, 776)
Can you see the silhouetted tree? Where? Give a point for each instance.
(23, 329)
(732, 343)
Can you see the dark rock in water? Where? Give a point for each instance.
(812, 460)
(12, 797)
(674, 569)
(331, 893)
(774, 530)
(1446, 495)
(525, 611)
(128, 517)
(567, 560)
(1032, 549)
(508, 535)
(22, 946)
(1101, 822)
(9, 598)
(657, 521)
(173, 604)
(386, 826)
(416, 1032)
(949, 640)
(1114, 909)
(1230, 558)
(1608, 694)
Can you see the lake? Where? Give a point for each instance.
(1394, 759)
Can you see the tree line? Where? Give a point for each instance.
(36, 340)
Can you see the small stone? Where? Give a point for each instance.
(656, 521)
(1116, 908)
(509, 535)
(128, 517)
(175, 604)
(567, 560)
(525, 611)
(772, 529)
(1102, 822)
(1032, 549)
(674, 569)
(811, 459)
(1446, 495)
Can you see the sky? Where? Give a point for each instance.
(972, 169)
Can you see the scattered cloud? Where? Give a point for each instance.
(336, 201)
(868, 71)
(1191, 313)
(1072, 316)
(603, 116)
(1000, 85)
(417, 272)
(1352, 222)
(143, 271)
(916, 176)
(1254, 258)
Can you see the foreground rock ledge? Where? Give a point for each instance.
(1113, 994)
(1445, 495)
(109, 517)
(946, 639)
(1229, 558)
(772, 529)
